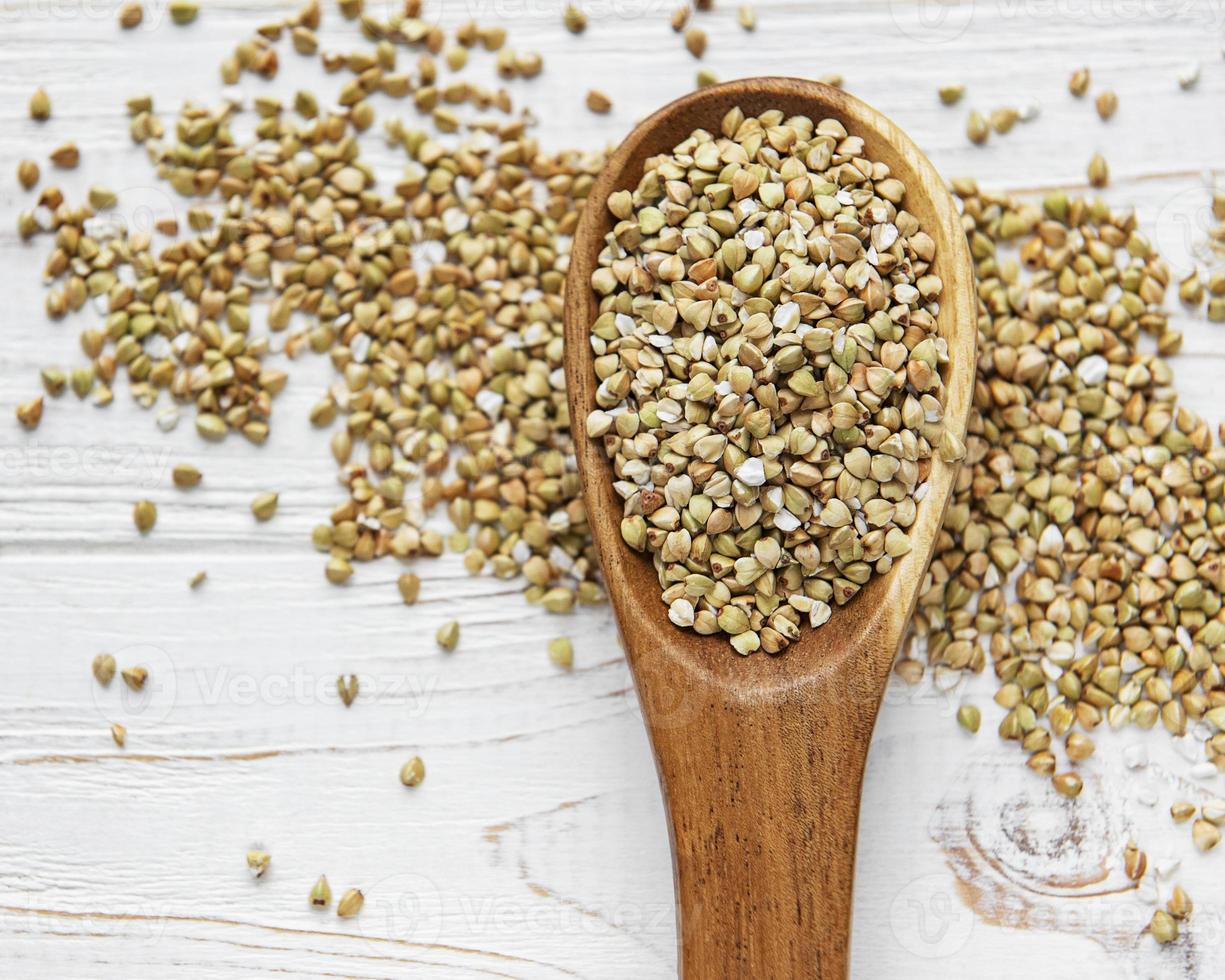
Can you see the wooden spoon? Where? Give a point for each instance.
(761, 758)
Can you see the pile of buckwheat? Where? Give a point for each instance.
(770, 391)
(1086, 488)
(449, 372)
(1081, 555)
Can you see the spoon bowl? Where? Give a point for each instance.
(761, 758)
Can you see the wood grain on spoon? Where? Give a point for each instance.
(761, 758)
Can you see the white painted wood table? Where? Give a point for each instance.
(537, 847)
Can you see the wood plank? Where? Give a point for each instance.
(536, 847)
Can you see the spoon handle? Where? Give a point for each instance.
(763, 795)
